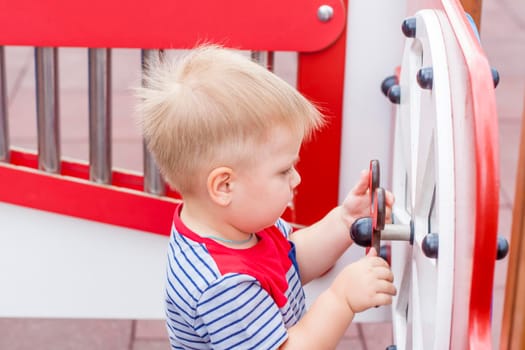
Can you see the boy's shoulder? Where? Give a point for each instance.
(284, 227)
(206, 263)
(209, 258)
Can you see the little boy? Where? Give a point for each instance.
(226, 134)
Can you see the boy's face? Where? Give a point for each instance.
(265, 188)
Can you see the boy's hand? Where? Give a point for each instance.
(357, 202)
(365, 283)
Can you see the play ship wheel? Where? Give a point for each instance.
(424, 186)
(443, 237)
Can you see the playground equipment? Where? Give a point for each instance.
(445, 215)
(435, 163)
(512, 331)
(441, 161)
(76, 201)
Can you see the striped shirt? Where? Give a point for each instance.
(223, 298)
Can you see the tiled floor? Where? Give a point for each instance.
(503, 38)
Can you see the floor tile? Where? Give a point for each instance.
(497, 314)
(509, 139)
(18, 64)
(516, 9)
(510, 94)
(150, 329)
(352, 331)
(60, 334)
(151, 345)
(351, 344)
(377, 335)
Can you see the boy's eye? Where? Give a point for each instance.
(287, 171)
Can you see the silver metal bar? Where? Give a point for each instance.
(264, 58)
(47, 109)
(153, 181)
(4, 130)
(396, 232)
(99, 61)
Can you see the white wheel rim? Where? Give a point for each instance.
(423, 161)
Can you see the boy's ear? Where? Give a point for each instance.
(220, 185)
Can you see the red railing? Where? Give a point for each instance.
(313, 28)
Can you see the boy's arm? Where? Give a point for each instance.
(320, 245)
(322, 327)
(361, 285)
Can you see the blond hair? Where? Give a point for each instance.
(206, 107)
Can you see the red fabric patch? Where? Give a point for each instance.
(267, 261)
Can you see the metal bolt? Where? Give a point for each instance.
(325, 13)
(394, 94)
(430, 245)
(425, 77)
(409, 27)
(503, 248)
(495, 76)
(387, 83)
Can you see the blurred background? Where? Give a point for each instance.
(503, 38)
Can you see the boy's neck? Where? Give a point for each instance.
(206, 219)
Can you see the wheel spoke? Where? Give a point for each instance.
(403, 283)
(417, 314)
(425, 172)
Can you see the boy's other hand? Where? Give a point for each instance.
(357, 202)
(366, 283)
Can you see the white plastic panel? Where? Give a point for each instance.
(58, 266)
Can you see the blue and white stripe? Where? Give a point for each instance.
(208, 310)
